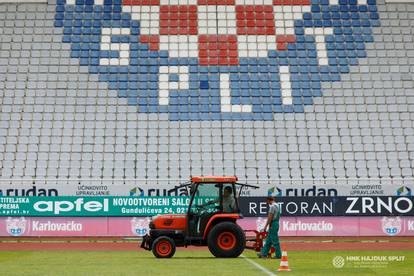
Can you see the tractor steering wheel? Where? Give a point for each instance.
(201, 208)
(205, 207)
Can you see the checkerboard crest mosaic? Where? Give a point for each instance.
(217, 59)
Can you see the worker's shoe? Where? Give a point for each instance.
(261, 256)
(277, 257)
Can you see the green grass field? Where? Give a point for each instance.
(193, 263)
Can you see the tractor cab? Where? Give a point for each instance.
(210, 197)
(211, 220)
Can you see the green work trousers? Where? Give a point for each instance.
(272, 240)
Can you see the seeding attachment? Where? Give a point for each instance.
(254, 241)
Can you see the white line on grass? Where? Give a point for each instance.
(264, 270)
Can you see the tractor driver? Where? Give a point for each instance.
(229, 203)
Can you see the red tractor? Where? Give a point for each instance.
(211, 220)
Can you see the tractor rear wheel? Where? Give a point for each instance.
(163, 247)
(226, 240)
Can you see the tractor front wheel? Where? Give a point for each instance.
(163, 247)
(226, 240)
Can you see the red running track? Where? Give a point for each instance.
(134, 246)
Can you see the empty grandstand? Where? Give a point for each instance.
(295, 91)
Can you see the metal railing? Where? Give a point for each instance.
(175, 181)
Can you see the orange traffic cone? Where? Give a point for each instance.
(284, 264)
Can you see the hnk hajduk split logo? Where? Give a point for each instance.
(217, 59)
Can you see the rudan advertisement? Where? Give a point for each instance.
(138, 188)
(138, 226)
(109, 206)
